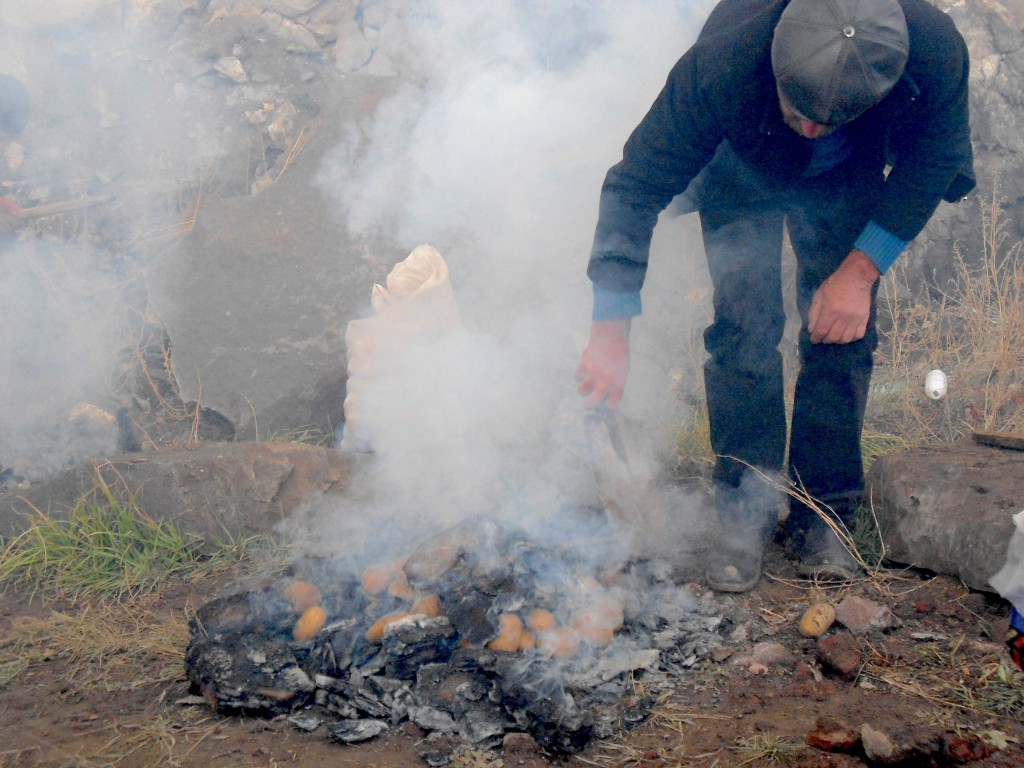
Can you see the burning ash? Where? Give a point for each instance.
(479, 631)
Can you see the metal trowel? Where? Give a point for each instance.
(624, 469)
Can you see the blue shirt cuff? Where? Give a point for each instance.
(880, 245)
(614, 305)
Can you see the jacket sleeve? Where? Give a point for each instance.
(930, 146)
(676, 138)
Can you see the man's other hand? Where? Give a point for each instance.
(842, 304)
(605, 363)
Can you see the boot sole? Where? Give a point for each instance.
(724, 584)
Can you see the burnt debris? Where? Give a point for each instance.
(479, 633)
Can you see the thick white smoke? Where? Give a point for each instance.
(493, 150)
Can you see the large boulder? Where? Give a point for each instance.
(948, 508)
(992, 30)
(257, 297)
(218, 491)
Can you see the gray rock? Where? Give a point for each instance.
(256, 300)
(216, 491)
(289, 8)
(992, 31)
(880, 748)
(860, 615)
(765, 655)
(948, 508)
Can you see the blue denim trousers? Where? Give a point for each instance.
(742, 217)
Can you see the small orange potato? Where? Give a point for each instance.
(376, 631)
(540, 620)
(309, 623)
(527, 640)
(428, 605)
(510, 635)
(611, 611)
(377, 577)
(399, 587)
(559, 642)
(593, 626)
(302, 595)
(817, 619)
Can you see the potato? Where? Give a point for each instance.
(399, 587)
(302, 595)
(376, 631)
(428, 605)
(817, 619)
(309, 623)
(377, 577)
(510, 635)
(599, 620)
(593, 626)
(559, 642)
(540, 620)
(527, 640)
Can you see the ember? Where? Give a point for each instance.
(490, 633)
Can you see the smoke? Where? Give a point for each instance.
(106, 121)
(493, 150)
(58, 342)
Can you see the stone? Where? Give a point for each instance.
(992, 31)
(765, 655)
(860, 615)
(833, 735)
(948, 508)
(215, 491)
(840, 655)
(289, 8)
(517, 743)
(880, 748)
(256, 300)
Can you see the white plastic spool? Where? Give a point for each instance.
(935, 384)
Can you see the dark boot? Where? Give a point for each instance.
(820, 553)
(824, 557)
(734, 562)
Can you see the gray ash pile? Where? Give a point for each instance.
(481, 631)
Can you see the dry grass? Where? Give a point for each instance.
(956, 675)
(764, 749)
(132, 642)
(974, 331)
(155, 742)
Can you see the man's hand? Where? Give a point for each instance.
(842, 304)
(605, 363)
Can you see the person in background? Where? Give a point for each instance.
(844, 121)
(14, 111)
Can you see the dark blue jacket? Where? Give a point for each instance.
(724, 88)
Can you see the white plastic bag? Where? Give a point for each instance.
(417, 304)
(1009, 582)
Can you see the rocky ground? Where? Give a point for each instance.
(913, 673)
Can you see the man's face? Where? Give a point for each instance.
(806, 128)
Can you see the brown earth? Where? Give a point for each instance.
(932, 680)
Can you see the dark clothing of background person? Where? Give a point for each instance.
(716, 135)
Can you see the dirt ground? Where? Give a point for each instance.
(95, 684)
(937, 677)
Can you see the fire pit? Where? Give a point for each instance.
(479, 632)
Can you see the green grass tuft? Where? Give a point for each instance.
(105, 546)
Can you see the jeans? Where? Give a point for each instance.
(742, 216)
